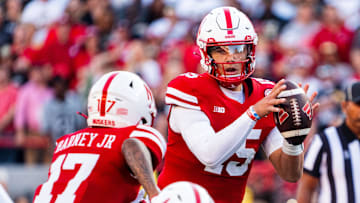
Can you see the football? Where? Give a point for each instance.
(295, 117)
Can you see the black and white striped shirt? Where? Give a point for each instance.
(334, 157)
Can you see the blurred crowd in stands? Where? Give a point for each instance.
(51, 51)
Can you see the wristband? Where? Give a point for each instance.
(292, 150)
(252, 114)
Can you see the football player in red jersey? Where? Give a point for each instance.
(116, 154)
(219, 119)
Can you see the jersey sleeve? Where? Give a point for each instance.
(263, 85)
(180, 92)
(313, 157)
(272, 142)
(153, 140)
(267, 84)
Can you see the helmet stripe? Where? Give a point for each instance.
(228, 21)
(197, 194)
(104, 94)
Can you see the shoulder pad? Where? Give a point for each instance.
(144, 131)
(181, 92)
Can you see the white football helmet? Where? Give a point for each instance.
(120, 99)
(229, 27)
(183, 192)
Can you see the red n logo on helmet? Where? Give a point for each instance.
(104, 95)
(229, 25)
(149, 95)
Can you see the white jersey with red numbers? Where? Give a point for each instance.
(88, 166)
(227, 181)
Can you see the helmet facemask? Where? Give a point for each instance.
(231, 63)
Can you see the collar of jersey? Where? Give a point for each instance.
(235, 95)
(347, 133)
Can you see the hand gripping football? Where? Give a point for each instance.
(295, 117)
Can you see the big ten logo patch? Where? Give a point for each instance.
(219, 109)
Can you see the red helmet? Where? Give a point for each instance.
(230, 28)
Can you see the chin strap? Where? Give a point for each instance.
(82, 114)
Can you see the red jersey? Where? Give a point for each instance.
(88, 166)
(226, 182)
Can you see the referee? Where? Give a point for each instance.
(332, 163)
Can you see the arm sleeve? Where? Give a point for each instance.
(210, 148)
(313, 157)
(272, 142)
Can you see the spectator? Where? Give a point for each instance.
(104, 20)
(28, 111)
(169, 28)
(298, 32)
(355, 55)
(41, 14)
(332, 162)
(76, 10)
(355, 62)
(5, 29)
(57, 41)
(13, 11)
(60, 113)
(263, 59)
(348, 10)
(331, 70)
(154, 11)
(141, 61)
(356, 40)
(83, 53)
(8, 95)
(299, 69)
(333, 30)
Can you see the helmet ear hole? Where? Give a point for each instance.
(143, 121)
(213, 64)
(248, 65)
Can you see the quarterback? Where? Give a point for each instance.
(116, 154)
(219, 119)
